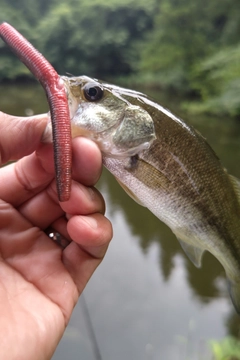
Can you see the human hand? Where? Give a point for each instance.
(40, 282)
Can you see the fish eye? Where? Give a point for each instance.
(92, 91)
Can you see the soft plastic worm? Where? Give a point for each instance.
(57, 100)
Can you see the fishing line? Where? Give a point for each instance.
(96, 348)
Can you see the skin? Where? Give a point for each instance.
(40, 281)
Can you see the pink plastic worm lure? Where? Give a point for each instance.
(57, 101)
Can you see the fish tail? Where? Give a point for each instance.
(234, 291)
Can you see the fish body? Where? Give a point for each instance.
(166, 166)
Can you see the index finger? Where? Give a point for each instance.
(32, 174)
(24, 179)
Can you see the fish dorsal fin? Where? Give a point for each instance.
(194, 253)
(130, 193)
(236, 185)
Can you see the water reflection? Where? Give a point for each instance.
(23, 99)
(142, 223)
(149, 230)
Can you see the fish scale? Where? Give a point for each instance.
(167, 167)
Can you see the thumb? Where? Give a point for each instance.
(20, 136)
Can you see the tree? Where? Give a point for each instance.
(217, 80)
(184, 33)
(24, 16)
(97, 38)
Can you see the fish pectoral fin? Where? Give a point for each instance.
(194, 253)
(130, 193)
(234, 291)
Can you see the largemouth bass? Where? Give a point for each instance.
(166, 166)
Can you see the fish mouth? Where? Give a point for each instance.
(119, 133)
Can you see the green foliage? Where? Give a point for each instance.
(226, 349)
(194, 48)
(181, 35)
(24, 15)
(189, 46)
(217, 79)
(98, 38)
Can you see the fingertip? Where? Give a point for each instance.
(83, 200)
(93, 233)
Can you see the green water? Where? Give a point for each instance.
(146, 300)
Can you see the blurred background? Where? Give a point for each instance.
(191, 47)
(146, 300)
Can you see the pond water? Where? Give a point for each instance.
(146, 301)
